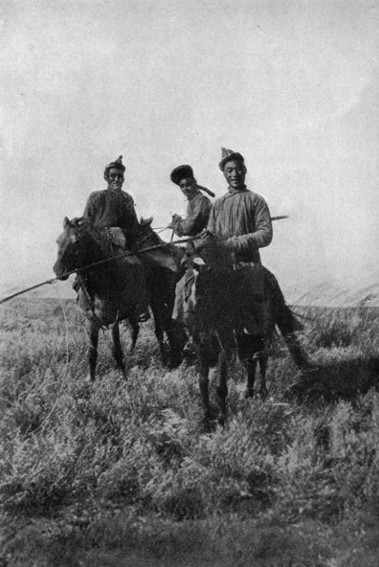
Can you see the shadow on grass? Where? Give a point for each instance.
(336, 379)
(219, 542)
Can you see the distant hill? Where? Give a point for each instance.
(340, 295)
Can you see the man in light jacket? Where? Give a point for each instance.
(242, 218)
(198, 207)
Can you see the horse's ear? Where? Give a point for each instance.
(146, 222)
(66, 222)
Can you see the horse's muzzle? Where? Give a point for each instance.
(60, 271)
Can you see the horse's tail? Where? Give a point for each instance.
(288, 324)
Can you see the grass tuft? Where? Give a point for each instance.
(120, 472)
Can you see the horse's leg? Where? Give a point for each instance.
(208, 419)
(176, 338)
(163, 299)
(252, 349)
(222, 389)
(135, 332)
(158, 329)
(93, 336)
(117, 350)
(251, 367)
(263, 361)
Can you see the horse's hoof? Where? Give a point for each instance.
(221, 420)
(207, 425)
(263, 394)
(209, 422)
(175, 361)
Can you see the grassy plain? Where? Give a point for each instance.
(119, 473)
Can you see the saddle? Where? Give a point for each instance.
(116, 236)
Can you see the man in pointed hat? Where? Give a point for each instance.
(198, 207)
(114, 210)
(242, 218)
(113, 207)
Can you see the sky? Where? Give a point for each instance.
(292, 85)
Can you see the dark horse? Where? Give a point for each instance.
(117, 289)
(232, 308)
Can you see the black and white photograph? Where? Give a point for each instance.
(189, 292)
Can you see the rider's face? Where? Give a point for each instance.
(188, 186)
(115, 178)
(235, 173)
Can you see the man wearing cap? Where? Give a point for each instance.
(198, 207)
(113, 207)
(198, 210)
(242, 217)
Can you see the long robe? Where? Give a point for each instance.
(244, 215)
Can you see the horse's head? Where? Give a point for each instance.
(213, 250)
(160, 253)
(146, 234)
(72, 247)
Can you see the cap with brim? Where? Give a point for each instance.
(181, 172)
(228, 155)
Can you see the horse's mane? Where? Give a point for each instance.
(98, 235)
(214, 252)
(148, 237)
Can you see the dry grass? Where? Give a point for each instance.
(121, 473)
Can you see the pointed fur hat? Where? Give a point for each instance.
(114, 165)
(227, 155)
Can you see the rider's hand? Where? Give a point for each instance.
(231, 242)
(205, 234)
(175, 219)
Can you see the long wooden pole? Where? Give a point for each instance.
(150, 249)
(119, 256)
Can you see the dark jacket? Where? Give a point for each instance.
(111, 207)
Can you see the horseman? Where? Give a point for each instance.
(198, 207)
(113, 207)
(242, 218)
(198, 210)
(113, 210)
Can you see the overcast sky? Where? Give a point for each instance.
(292, 85)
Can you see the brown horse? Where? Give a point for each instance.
(117, 289)
(232, 308)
